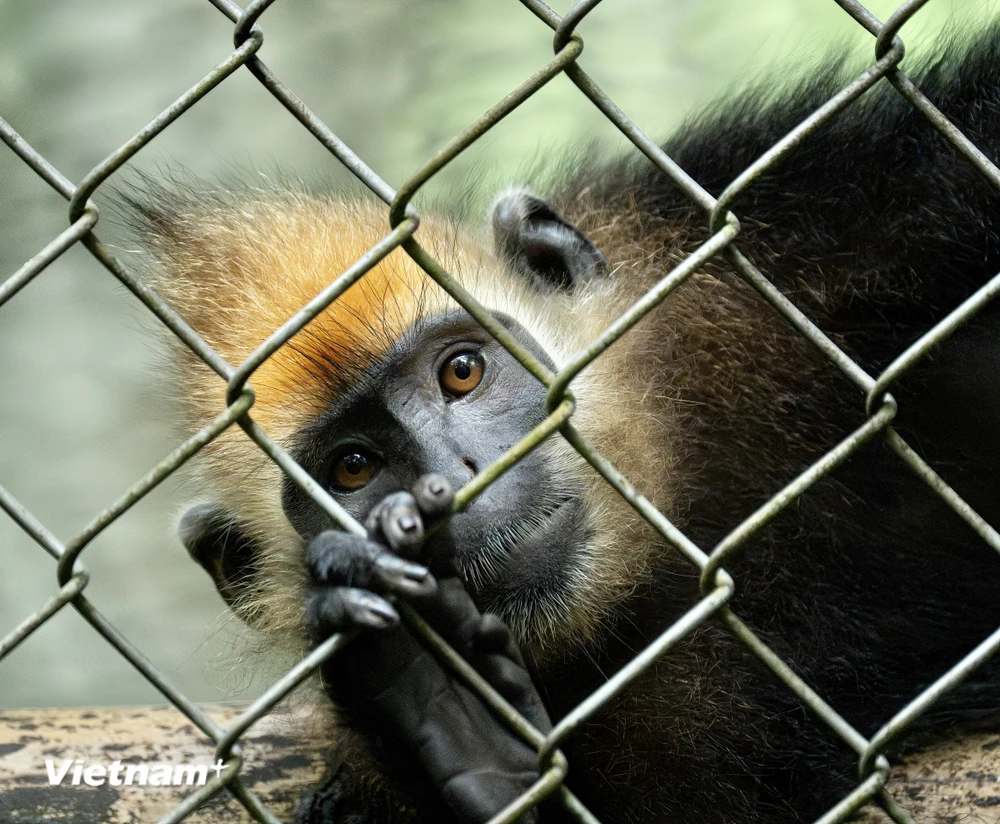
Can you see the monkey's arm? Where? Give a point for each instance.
(409, 708)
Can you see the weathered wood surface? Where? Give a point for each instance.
(282, 754)
(950, 783)
(955, 782)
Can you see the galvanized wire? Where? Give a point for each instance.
(404, 220)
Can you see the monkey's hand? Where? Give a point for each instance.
(415, 710)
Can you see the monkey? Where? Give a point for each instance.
(869, 586)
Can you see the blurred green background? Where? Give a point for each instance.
(82, 407)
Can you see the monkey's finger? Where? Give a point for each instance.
(397, 522)
(497, 658)
(515, 685)
(493, 636)
(342, 608)
(434, 496)
(452, 613)
(488, 644)
(338, 559)
(404, 577)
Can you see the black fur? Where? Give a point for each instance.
(869, 586)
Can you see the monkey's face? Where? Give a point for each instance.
(393, 382)
(449, 399)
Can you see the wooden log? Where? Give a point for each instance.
(951, 782)
(282, 753)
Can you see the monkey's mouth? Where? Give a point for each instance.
(532, 549)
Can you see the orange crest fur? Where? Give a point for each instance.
(236, 286)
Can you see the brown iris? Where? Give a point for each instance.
(353, 470)
(462, 373)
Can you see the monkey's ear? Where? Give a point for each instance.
(537, 242)
(225, 551)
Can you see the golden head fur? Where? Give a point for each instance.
(238, 266)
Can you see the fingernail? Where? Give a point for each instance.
(416, 572)
(382, 610)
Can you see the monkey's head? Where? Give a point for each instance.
(394, 380)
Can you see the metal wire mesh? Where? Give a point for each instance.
(716, 584)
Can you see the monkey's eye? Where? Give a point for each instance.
(462, 373)
(352, 470)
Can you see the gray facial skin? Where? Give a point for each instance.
(402, 418)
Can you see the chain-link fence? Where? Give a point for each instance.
(716, 584)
